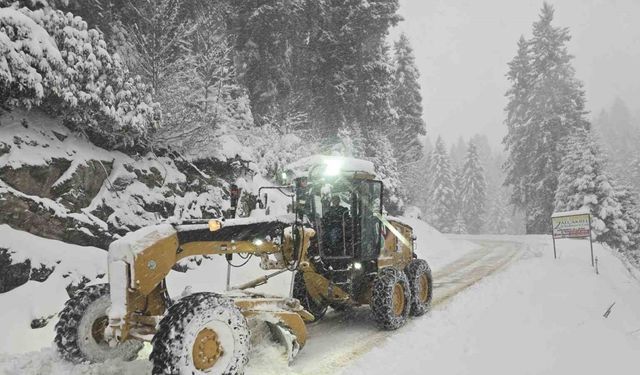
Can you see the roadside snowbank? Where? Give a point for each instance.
(540, 316)
(38, 300)
(437, 248)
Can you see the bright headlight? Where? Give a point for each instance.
(334, 166)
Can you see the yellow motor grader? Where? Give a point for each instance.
(342, 250)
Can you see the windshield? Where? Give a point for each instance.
(344, 215)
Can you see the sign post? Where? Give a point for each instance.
(572, 224)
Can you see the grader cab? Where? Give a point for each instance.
(335, 240)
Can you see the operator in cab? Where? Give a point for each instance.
(337, 224)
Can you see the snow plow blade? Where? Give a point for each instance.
(283, 335)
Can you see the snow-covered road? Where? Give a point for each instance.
(339, 339)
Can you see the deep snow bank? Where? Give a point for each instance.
(437, 248)
(37, 301)
(540, 316)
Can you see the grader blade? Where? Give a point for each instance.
(283, 335)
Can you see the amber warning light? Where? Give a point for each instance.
(214, 225)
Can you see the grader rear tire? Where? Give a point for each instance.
(390, 298)
(202, 333)
(421, 284)
(80, 329)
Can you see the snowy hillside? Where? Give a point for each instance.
(56, 184)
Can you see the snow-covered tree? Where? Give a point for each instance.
(272, 45)
(350, 72)
(456, 177)
(202, 97)
(457, 152)
(459, 226)
(619, 134)
(472, 190)
(160, 35)
(584, 184)
(407, 104)
(372, 108)
(31, 66)
(53, 60)
(498, 219)
(381, 155)
(352, 142)
(273, 150)
(631, 215)
(418, 177)
(441, 210)
(546, 102)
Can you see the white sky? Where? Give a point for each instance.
(462, 48)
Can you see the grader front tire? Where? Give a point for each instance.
(203, 333)
(390, 298)
(80, 329)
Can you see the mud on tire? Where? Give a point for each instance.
(81, 325)
(421, 284)
(173, 344)
(389, 311)
(300, 292)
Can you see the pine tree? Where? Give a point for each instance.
(407, 104)
(202, 97)
(631, 215)
(456, 174)
(546, 102)
(517, 166)
(441, 211)
(473, 190)
(457, 152)
(271, 41)
(418, 178)
(160, 34)
(352, 142)
(350, 75)
(498, 219)
(381, 154)
(619, 136)
(459, 225)
(584, 184)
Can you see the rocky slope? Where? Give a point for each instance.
(56, 185)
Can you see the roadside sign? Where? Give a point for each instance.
(571, 224)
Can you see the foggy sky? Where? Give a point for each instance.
(462, 48)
